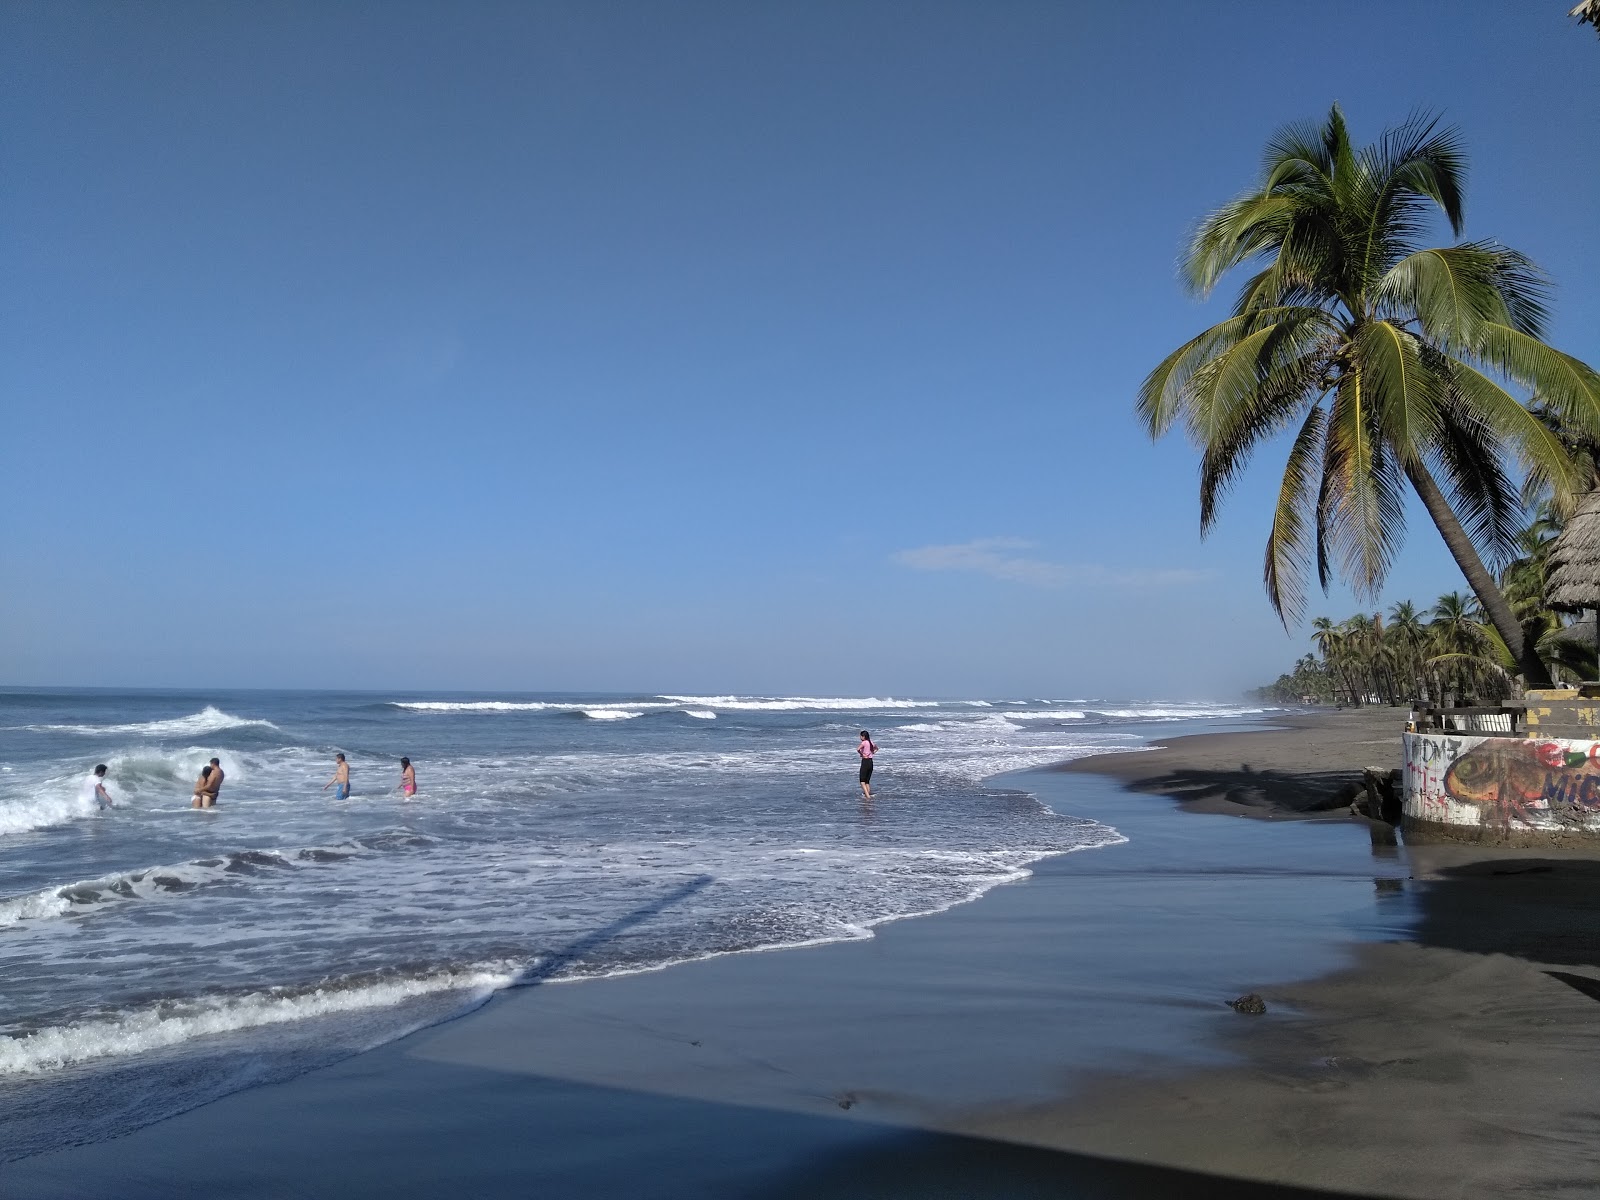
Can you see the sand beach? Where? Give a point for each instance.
(1431, 1021)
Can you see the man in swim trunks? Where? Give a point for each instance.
(341, 778)
(213, 785)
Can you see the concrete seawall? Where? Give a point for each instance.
(1500, 789)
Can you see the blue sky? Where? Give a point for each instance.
(725, 347)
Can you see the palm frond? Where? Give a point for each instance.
(1404, 392)
(1467, 454)
(1284, 569)
(1365, 516)
(1566, 386)
(1454, 291)
(1539, 449)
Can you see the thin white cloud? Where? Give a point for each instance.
(999, 558)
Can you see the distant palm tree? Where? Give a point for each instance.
(1464, 651)
(1408, 634)
(1388, 359)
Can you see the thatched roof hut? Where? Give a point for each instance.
(1572, 573)
(1588, 12)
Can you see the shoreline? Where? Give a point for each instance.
(1069, 1031)
(1445, 1063)
(1296, 766)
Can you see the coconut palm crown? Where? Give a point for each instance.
(1388, 360)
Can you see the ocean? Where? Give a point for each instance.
(153, 957)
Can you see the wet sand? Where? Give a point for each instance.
(1309, 767)
(1064, 1036)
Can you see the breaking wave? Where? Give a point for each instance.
(207, 720)
(172, 1022)
(153, 883)
(797, 703)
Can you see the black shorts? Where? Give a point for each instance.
(866, 769)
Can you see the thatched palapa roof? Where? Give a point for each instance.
(1588, 12)
(1572, 574)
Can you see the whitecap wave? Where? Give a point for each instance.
(57, 806)
(446, 706)
(705, 714)
(994, 723)
(173, 1022)
(798, 703)
(1049, 714)
(160, 882)
(207, 720)
(1171, 712)
(610, 714)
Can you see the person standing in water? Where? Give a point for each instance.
(94, 789)
(866, 748)
(408, 779)
(341, 777)
(213, 784)
(200, 786)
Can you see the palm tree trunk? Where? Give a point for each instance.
(1534, 673)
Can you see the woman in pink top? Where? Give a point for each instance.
(866, 748)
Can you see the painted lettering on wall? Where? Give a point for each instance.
(1541, 783)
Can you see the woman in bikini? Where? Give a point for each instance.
(201, 788)
(408, 779)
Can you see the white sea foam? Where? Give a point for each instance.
(1048, 714)
(799, 703)
(610, 714)
(160, 882)
(1170, 712)
(56, 804)
(511, 706)
(444, 706)
(109, 889)
(207, 720)
(989, 724)
(175, 1021)
(705, 714)
(732, 703)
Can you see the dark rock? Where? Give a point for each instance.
(1379, 797)
(1252, 1004)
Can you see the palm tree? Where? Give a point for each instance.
(1588, 13)
(1389, 360)
(1408, 633)
(1463, 647)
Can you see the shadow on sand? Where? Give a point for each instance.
(1292, 791)
(1546, 910)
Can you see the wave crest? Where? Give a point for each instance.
(172, 1022)
(208, 720)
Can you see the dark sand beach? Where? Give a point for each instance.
(1431, 1031)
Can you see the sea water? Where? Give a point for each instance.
(153, 956)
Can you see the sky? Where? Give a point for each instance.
(719, 347)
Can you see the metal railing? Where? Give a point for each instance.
(1508, 722)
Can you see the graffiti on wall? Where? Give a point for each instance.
(1541, 783)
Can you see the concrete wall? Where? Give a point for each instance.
(1533, 790)
(1562, 713)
